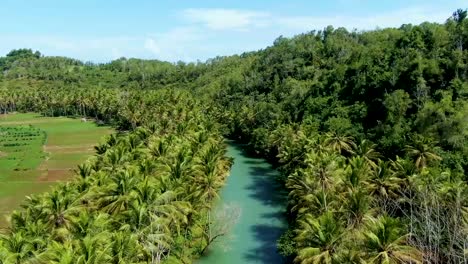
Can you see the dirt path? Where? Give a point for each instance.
(27, 122)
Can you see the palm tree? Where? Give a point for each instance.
(210, 172)
(101, 148)
(318, 239)
(87, 223)
(134, 141)
(35, 230)
(125, 248)
(403, 168)
(302, 187)
(384, 242)
(116, 196)
(357, 172)
(168, 207)
(324, 167)
(366, 150)
(59, 207)
(157, 239)
(115, 158)
(383, 182)
(422, 153)
(84, 170)
(317, 203)
(147, 167)
(94, 249)
(59, 253)
(147, 191)
(158, 148)
(340, 143)
(136, 218)
(17, 248)
(178, 168)
(356, 207)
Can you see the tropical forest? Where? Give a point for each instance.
(330, 146)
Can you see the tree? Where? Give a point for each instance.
(224, 220)
(385, 242)
(356, 207)
(318, 239)
(17, 248)
(384, 184)
(59, 209)
(339, 143)
(366, 150)
(422, 153)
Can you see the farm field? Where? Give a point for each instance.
(36, 152)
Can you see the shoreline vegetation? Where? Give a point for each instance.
(148, 190)
(368, 130)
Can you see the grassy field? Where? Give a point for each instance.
(36, 152)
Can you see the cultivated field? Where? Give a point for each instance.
(36, 152)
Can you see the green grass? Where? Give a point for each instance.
(37, 151)
(20, 148)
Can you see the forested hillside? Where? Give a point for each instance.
(368, 129)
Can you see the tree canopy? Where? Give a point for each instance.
(369, 130)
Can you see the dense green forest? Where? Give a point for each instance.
(368, 129)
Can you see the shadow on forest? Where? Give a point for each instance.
(266, 252)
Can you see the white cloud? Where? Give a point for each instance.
(176, 44)
(205, 33)
(150, 44)
(389, 19)
(227, 19)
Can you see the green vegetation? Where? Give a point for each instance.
(36, 152)
(147, 191)
(21, 148)
(368, 129)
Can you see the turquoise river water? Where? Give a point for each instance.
(252, 188)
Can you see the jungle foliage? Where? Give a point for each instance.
(368, 129)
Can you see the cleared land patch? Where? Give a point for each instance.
(36, 152)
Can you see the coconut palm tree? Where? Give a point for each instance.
(94, 249)
(157, 240)
(17, 248)
(385, 242)
(422, 153)
(340, 143)
(356, 207)
(302, 187)
(324, 167)
(59, 207)
(116, 196)
(125, 248)
(366, 150)
(209, 173)
(357, 172)
(176, 212)
(84, 170)
(318, 239)
(115, 158)
(316, 203)
(383, 183)
(87, 223)
(58, 253)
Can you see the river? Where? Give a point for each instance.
(252, 187)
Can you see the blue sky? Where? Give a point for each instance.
(102, 30)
